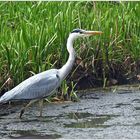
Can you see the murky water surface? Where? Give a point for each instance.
(112, 113)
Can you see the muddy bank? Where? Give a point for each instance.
(110, 113)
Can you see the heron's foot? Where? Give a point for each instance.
(21, 113)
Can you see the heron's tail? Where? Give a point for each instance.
(5, 98)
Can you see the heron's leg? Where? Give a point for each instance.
(41, 106)
(24, 108)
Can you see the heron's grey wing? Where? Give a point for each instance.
(37, 86)
(40, 89)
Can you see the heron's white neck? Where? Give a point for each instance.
(64, 71)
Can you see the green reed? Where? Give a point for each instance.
(33, 35)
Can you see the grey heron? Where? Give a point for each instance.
(45, 83)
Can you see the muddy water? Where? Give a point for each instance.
(111, 113)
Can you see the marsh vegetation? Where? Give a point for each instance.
(33, 39)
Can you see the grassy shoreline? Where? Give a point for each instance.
(33, 39)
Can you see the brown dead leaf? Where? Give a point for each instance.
(79, 61)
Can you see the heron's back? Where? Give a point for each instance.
(38, 86)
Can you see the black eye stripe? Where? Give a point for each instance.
(77, 31)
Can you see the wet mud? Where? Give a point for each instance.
(109, 113)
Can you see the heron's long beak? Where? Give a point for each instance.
(93, 32)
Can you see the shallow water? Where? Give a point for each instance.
(110, 113)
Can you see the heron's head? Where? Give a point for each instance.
(83, 33)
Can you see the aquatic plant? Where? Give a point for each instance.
(33, 39)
